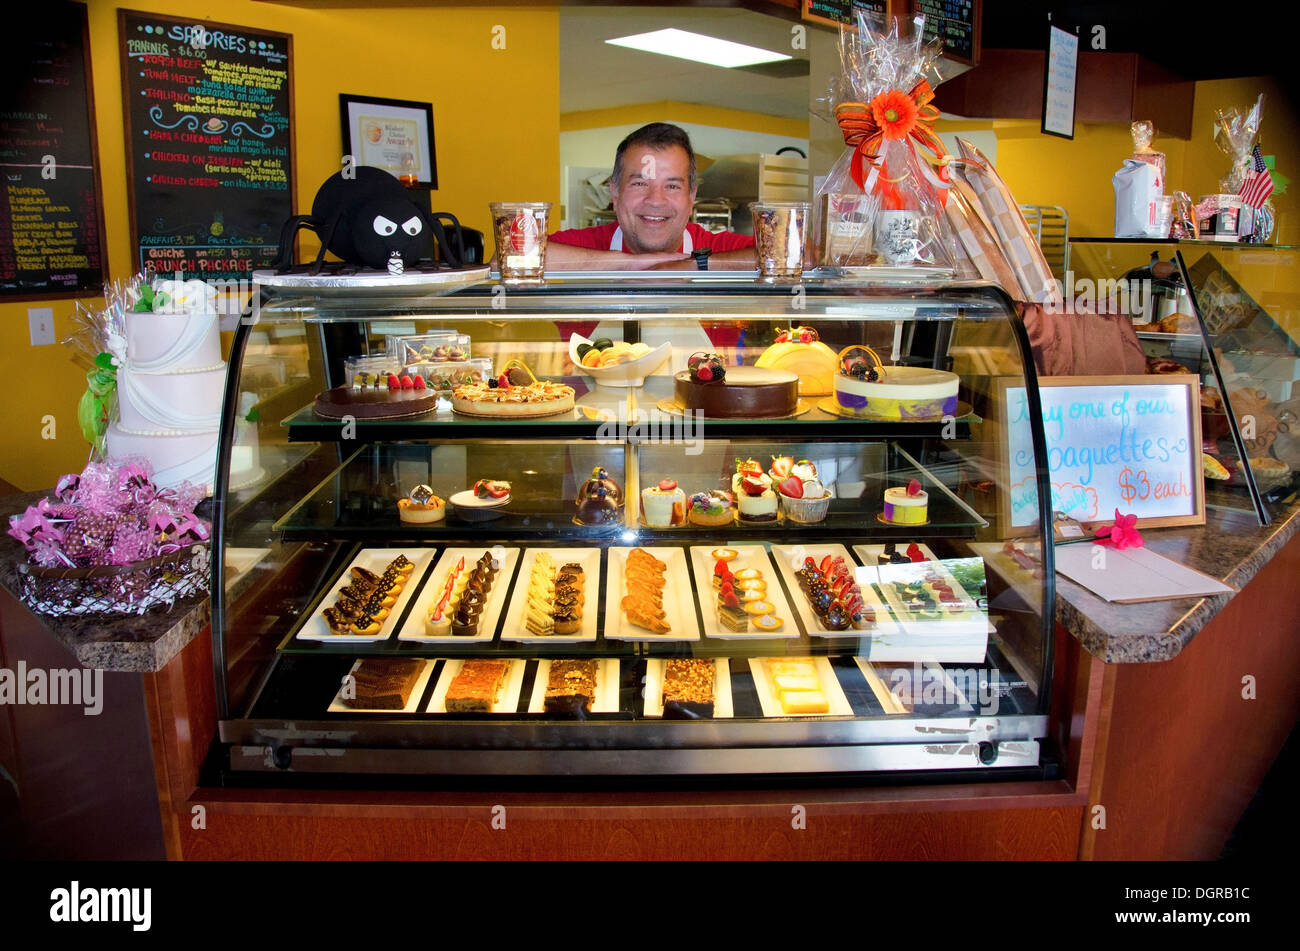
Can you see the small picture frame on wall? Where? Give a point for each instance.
(393, 134)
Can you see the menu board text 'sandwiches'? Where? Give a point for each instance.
(51, 226)
(209, 143)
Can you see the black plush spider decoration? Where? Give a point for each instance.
(367, 219)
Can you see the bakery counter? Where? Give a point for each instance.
(1231, 546)
(129, 643)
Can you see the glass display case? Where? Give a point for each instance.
(1230, 313)
(823, 642)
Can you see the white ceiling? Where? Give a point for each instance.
(595, 75)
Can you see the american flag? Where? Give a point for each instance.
(1259, 182)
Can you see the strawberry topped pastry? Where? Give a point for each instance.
(907, 505)
(834, 594)
(803, 497)
(755, 498)
(800, 351)
(491, 490)
(663, 505)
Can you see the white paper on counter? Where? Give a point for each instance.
(1133, 575)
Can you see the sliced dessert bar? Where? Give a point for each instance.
(688, 691)
(476, 685)
(570, 687)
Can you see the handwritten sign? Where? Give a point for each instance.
(1060, 83)
(1127, 443)
(209, 143)
(51, 231)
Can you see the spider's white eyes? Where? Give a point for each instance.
(384, 226)
(412, 225)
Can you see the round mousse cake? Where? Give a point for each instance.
(745, 393)
(902, 508)
(864, 387)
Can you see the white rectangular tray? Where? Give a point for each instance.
(376, 560)
(747, 556)
(589, 558)
(838, 704)
(881, 678)
(338, 706)
(507, 699)
(606, 687)
(413, 629)
(789, 558)
(678, 600)
(654, 688)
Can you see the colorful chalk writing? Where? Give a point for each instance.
(1126, 446)
(210, 143)
(51, 241)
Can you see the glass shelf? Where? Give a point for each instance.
(604, 413)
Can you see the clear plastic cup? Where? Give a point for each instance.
(780, 237)
(1164, 215)
(520, 231)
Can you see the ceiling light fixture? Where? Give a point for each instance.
(698, 48)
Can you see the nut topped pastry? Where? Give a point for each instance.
(571, 687)
(688, 690)
(500, 397)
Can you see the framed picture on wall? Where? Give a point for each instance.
(393, 134)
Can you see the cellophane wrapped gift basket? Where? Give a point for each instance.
(111, 542)
(896, 203)
(882, 203)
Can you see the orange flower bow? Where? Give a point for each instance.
(892, 114)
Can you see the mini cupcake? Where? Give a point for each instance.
(714, 507)
(663, 505)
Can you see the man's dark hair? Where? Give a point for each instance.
(657, 136)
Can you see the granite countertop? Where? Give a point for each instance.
(139, 643)
(1231, 547)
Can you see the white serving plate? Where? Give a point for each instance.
(881, 681)
(473, 509)
(589, 558)
(240, 560)
(376, 560)
(837, 704)
(507, 699)
(868, 554)
(632, 373)
(338, 706)
(654, 688)
(747, 556)
(789, 558)
(413, 629)
(606, 687)
(677, 598)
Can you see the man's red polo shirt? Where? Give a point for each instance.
(600, 238)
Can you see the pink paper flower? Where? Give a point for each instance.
(1122, 534)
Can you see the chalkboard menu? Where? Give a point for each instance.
(957, 22)
(845, 11)
(209, 143)
(51, 223)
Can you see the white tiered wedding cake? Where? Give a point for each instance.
(170, 384)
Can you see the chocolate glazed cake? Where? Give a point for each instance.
(374, 404)
(746, 393)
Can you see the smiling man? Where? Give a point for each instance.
(653, 192)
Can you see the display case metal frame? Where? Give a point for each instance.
(373, 744)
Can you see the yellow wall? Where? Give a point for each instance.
(644, 112)
(441, 55)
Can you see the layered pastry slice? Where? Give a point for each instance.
(689, 689)
(383, 683)
(476, 686)
(797, 685)
(570, 687)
